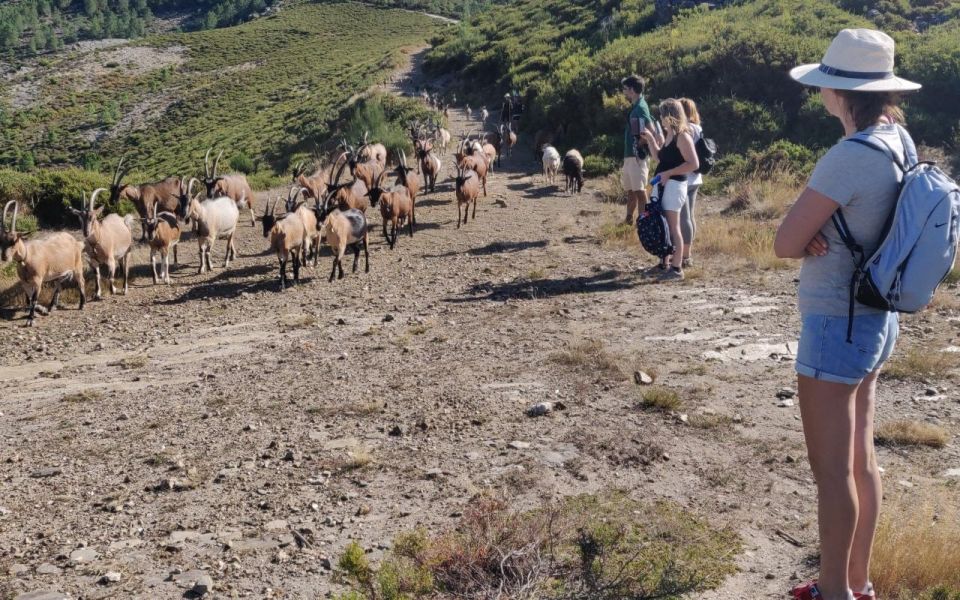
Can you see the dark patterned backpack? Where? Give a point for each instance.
(653, 230)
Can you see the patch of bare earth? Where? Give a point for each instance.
(217, 426)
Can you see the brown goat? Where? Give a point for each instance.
(314, 186)
(467, 187)
(233, 186)
(396, 206)
(57, 257)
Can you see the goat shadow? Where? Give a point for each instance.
(495, 248)
(606, 281)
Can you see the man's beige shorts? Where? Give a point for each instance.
(635, 174)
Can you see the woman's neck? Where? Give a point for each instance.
(850, 127)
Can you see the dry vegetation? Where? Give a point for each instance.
(920, 364)
(661, 398)
(590, 355)
(915, 554)
(590, 547)
(911, 433)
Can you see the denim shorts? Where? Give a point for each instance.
(824, 353)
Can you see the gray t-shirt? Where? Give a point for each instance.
(864, 182)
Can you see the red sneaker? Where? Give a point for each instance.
(807, 591)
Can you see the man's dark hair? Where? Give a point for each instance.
(634, 82)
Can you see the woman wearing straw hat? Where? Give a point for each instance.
(837, 380)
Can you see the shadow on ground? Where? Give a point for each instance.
(607, 281)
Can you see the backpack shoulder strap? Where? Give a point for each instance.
(881, 147)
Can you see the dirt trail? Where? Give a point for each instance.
(222, 418)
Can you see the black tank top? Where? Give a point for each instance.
(670, 157)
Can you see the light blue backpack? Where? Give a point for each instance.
(919, 239)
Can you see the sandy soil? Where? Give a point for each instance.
(205, 427)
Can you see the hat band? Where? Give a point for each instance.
(856, 74)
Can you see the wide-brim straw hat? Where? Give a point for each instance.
(859, 60)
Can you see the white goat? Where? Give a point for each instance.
(57, 258)
(551, 163)
(216, 219)
(107, 242)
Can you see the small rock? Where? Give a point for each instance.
(952, 473)
(540, 409)
(790, 458)
(786, 393)
(48, 569)
(770, 576)
(363, 510)
(289, 456)
(249, 427)
(904, 483)
(785, 403)
(434, 474)
(110, 577)
(276, 525)
(395, 431)
(642, 378)
(387, 318)
(341, 321)
(203, 586)
(709, 412)
(83, 555)
(931, 391)
(683, 418)
(738, 418)
(519, 445)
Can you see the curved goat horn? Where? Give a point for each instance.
(116, 175)
(93, 198)
(206, 163)
(338, 172)
(216, 164)
(13, 221)
(6, 207)
(190, 186)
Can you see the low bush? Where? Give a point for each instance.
(598, 166)
(46, 194)
(591, 547)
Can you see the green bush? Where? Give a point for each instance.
(242, 163)
(46, 193)
(598, 166)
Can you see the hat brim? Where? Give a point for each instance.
(812, 75)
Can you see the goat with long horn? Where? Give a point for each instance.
(56, 258)
(234, 186)
(107, 242)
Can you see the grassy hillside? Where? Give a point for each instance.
(263, 89)
(733, 61)
(28, 27)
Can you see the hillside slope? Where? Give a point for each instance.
(567, 57)
(261, 89)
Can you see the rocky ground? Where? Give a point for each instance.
(219, 433)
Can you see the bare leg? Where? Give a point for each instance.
(673, 222)
(828, 412)
(867, 478)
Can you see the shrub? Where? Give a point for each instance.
(660, 398)
(911, 433)
(592, 547)
(598, 166)
(242, 163)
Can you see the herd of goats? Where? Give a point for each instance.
(323, 208)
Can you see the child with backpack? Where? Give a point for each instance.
(868, 206)
(677, 158)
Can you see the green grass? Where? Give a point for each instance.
(266, 89)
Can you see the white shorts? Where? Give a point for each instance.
(635, 174)
(674, 195)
